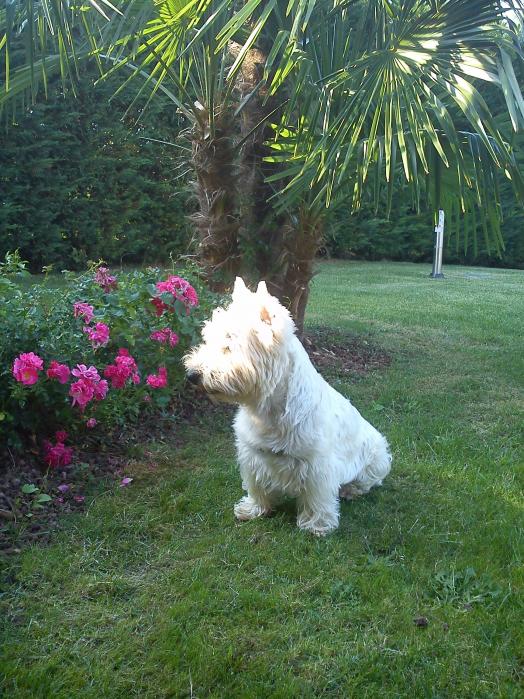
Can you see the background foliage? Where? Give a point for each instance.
(408, 236)
(79, 184)
(79, 181)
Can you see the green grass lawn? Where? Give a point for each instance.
(156, 592)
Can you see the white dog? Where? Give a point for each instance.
(295, 434)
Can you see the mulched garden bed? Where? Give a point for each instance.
(343, 354)
(33, 500)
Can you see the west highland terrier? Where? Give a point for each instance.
(295, 435)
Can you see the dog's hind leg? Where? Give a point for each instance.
(318, 507)
(377, 460)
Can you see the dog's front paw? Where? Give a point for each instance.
(317, 525)
(247, 508)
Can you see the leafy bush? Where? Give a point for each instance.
(79, 182)
(98, 351)
(366, 235)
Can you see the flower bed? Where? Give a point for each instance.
(96, 354)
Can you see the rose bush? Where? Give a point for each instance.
(94, 354)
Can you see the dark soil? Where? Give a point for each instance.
(343, 354)
(27, 517)
(32, 499)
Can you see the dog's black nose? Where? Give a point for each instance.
(195, 377)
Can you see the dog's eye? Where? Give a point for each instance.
(226, 350)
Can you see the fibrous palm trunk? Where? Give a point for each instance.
(214, 160)
(238, 228)
(301, 243)
(261, 228)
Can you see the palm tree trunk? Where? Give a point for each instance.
(302, 242)
(214, 161)
(261, 229)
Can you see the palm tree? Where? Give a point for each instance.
(348, 94)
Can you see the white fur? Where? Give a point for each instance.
(295, 435)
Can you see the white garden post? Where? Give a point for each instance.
(436, 272)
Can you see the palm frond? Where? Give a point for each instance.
(406, 99)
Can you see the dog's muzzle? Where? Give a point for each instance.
(194, 377)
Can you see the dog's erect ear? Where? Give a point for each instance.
(275, 321)
(239, 285)
(265, 315)
(265, 328)
(262, 289)
(240, 290)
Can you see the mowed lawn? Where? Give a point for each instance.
(156, 592)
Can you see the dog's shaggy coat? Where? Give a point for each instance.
(296, 436)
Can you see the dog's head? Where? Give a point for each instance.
(242, 355)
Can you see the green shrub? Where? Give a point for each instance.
(79, 181)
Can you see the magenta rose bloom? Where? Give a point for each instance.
(180, 289)
(81, 371)
(26, 368)
(82, 392)
(83, 310)
(98, 335)
(100, 389)
(165, 336)
(57, 455)
(58, 371)
(158, 380)
(123, 368)
(105, 280)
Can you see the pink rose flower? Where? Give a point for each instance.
(88, 387)
(159, 305)
(61, 436)
(57, 455)
(91, 423)
(87, 373)
(158, 336)
(100, 389)
(117, 378)
(180, 289)
(98, 335)
(58, 371)
(83, 310)
(26, 368)
(190, 296)
(81, 392)
(164, 336)
(158, 380)
(105, 280)
(124, 368)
